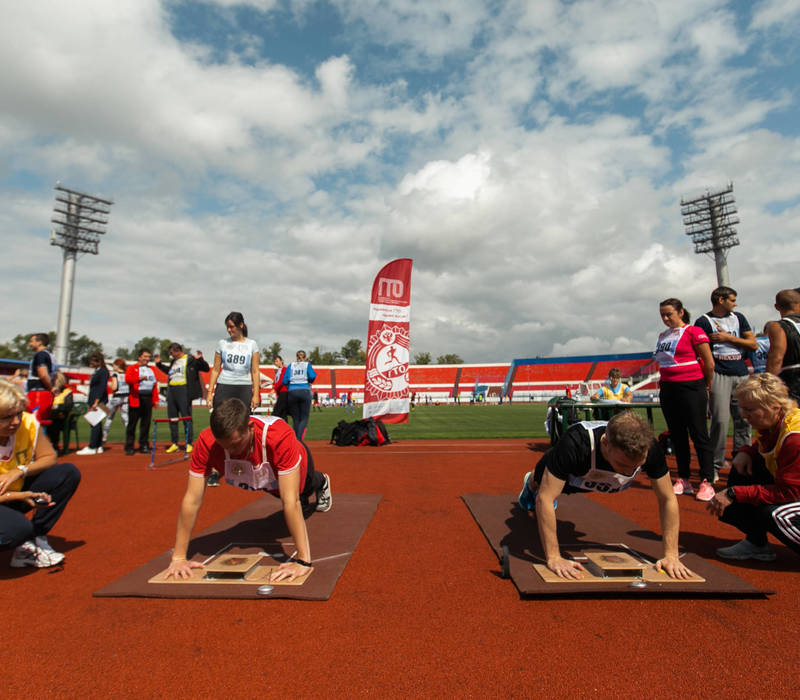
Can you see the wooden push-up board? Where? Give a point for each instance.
(612, 564)
(237, 564)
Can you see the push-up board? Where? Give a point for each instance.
(584, 525)
(237, 564)
(259, 530)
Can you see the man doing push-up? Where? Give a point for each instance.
(605, 458)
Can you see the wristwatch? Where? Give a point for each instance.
(23, 468)
(730, 492)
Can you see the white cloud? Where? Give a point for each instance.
(530, 157)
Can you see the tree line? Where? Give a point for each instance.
(80, 347)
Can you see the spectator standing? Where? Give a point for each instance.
(235, 372)
(299, 377)
(281, 408)
(119, 396)
(783, 359)
(142, 396)
(687, 370)
(731, 337)
(40, 377)
(98, 395)
(183, 387)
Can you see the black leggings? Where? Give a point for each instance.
(179, 406)
(60, 481)
(756, 520)
(685, 406)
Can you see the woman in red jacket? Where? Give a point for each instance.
(763, 493)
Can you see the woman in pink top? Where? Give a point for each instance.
(684, 357)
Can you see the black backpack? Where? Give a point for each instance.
(360, 432)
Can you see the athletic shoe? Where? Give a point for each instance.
(90, 451)
(716, 475)
(188, 449)
(324, 498)
(526, 499)
(37, 553)
(747, 550)
(705, 492)
(213, 479)
(144, 449)
(172, 448)
(129, 451)
(682, 486)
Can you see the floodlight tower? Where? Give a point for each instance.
(80, 220)
(710, 220)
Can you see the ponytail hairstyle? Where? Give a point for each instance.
(238, 320)
(678, 306)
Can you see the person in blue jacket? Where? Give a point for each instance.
(299, 376)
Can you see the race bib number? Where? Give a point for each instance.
(251, 477)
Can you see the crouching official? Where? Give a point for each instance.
(605, 458)
(256, 454)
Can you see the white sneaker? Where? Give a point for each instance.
(37, 553)
(90, 451)
(324, 497)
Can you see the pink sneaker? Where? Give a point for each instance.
(682, 486)
(705, 492)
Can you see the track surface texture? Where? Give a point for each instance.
(420, 610)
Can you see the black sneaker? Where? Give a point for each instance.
(144, 449)
(129, 451)
(213, 479)
(324, 498)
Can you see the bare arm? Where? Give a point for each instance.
(255, 375)
(549, 490)
(703, 352)
(289, 484)
(212, 378)
(777, 348)
(187, 517)
(747, 341)
(669, 515)
(44, 377)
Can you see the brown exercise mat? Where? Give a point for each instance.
(583, 523)
(334, 536)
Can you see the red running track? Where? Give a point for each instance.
(420, 610)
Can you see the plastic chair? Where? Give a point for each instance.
(71, 425)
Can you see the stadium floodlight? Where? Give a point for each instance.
(80, 220)
(710, 220)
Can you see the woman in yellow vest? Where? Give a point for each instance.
(613, 389)
(30, 479)
(763, 493)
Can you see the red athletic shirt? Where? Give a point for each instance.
(678, 361)
(283, 451)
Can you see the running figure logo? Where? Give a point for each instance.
(387, 353)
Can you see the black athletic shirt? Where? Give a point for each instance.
(571, 460)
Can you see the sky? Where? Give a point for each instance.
(270, 156)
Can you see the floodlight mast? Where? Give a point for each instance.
(80, 220)
(710, 220)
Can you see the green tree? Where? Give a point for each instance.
(449, 359)
(267, 355)
(352, 353)
(80, 347)
(317, 357)
(422, 358)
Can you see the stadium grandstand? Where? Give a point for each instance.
(521, 380)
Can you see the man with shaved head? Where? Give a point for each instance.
(784, 341)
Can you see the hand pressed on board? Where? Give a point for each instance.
(181, 568)
(566, 568)
(289, 571)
